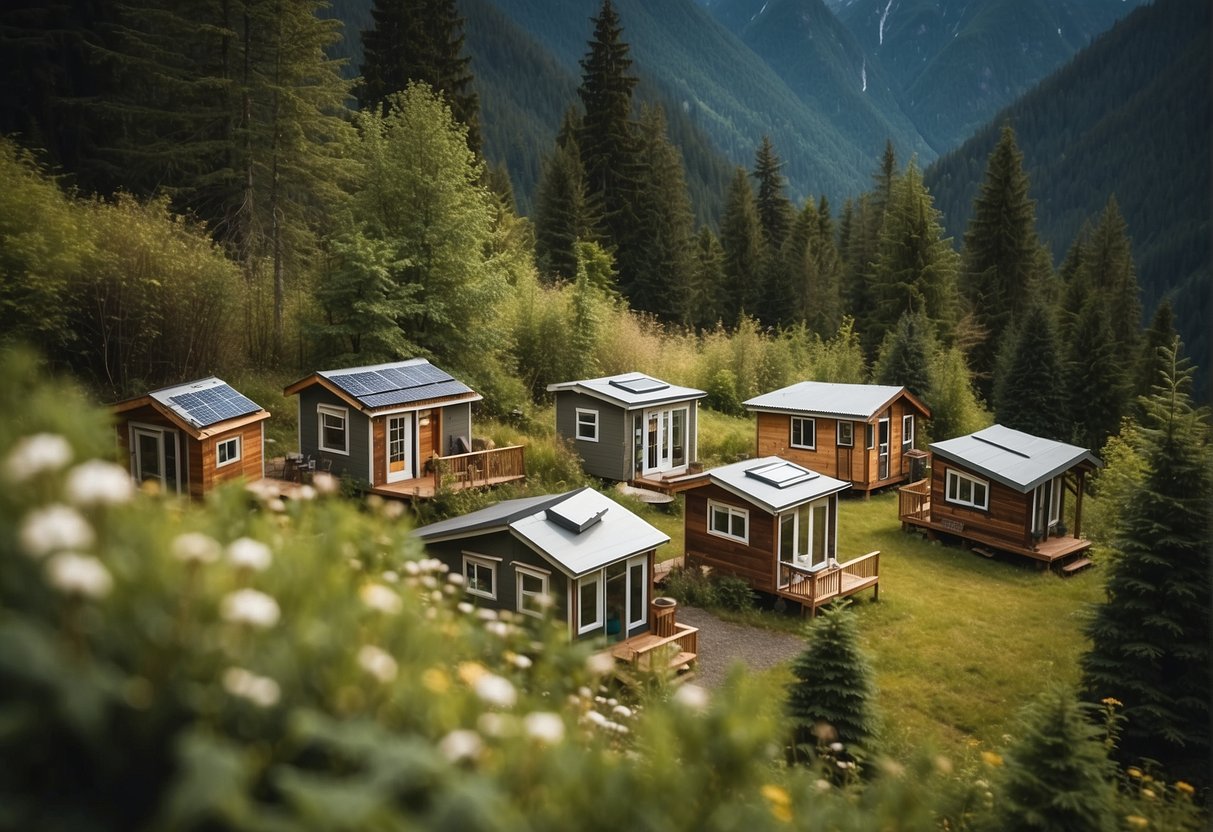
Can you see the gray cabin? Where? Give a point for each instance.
(578, 557)
(629, 427)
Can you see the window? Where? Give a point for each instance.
(332, 425)
(589, 603)
(227, 451)
(870, 435)
(481, 576)
(846, 434)
(804, 433)
(967, 491)
(907, 431)
(533, 596)
(728, 521)
(587, 425)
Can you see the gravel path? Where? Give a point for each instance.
(722, 643)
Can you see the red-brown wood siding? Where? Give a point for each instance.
(754, 562)
(1009, 515)
(204, 451)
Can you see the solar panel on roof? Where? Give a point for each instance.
(428, 373)
(639, 384)
(781, 474)
(213, 404)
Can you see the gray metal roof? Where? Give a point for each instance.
(774, 483)
(205, 402)
(398, 383)
(1014, 458)
(630, 390)
(547, 524)
(821, 398)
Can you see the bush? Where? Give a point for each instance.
(690, 586)
(733, 593)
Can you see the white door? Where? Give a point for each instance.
(804, 535)
(155, 457)
(665, 438)
(400, 453)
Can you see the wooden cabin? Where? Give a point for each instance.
(401, 429)
(190, 437)
(630, 427)
(578, 558)
(774, 524)
(1005, 490)
(861, 433)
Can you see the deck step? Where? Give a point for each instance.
(983, 551)
(1076, 565)
(682, 661)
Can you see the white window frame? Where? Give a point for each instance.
(342, 413)
(956, 478)
(642, 614)
(812, 432)
(219, 446)
(594, 578)
(907, 434)
(480, 561)
(521, 572)
(850, 441)
(585, 411)
(869, 435)
(730, 512)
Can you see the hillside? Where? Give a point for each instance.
(1128, 116)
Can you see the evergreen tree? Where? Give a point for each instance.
(1030, 391)
(708, 287)
(774, 210)
(1097, 381)
(1109, 272)
(905, 356)
(1057, 777)
(1160, 335)
(832, 686)
(824, 312)
(561, 213)
(1150, 640)
(741, 239)
(1000, 252)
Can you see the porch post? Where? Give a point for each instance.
(1078, 504)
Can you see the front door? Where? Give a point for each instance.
(627, 586)
(665, 440)
(155, 457)
(883, 451)
(400, 448)
(803, 537)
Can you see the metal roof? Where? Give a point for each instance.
(398, 383)
(609, 532)
(1014, 458)
(774, 483)
(205, 402)
(630, 390)
(821, 398)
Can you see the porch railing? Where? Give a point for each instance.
(914, 501)
(481, 467)
(672, 651)
(814, 587)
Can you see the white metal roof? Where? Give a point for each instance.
(1014, 458)
(821, 398)
(630, 390)
(774, 483)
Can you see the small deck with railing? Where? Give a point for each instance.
(814, 588)
(651, 651)
(476, 469)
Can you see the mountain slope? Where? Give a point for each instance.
(1129, 116)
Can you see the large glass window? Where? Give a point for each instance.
(480, 575)
(333, 428)
(728, 521)
(967, 491)
(803, 534)
(804, 433)
(587, 425)
(589, 603)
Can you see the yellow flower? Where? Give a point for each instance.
(1137, 821)
(1148, 794)
(991, 759)
(781, 803)
(469, 672)
(1112, 702)
(1186, 788)
(1133, 771)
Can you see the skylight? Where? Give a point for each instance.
(781, 474)
(639, 384)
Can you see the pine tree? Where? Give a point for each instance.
(1057, 777)
(832, 686)
(1108, 271)
(708, 281)
(1160, 335)
(823, 303)
(905, 356)
(1030, 391)
(561, 212)
(1097, 381)
(741, 239)
(774, 210)
(1150, 641)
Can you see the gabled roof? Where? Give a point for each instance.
(773, 483)
(578, 531)
(630, 390)
(1014, 458)
(396, 384)
(203, 407)
(859, 402)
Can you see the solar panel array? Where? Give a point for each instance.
(399, 385)
(639, 384)
(214, 404)
(781, 474)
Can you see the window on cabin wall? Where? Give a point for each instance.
(846, 434)
(333, 428)
(728, 521)
(532, 591)
(587, 425)
(480, 576)
(227, 451)
(964, 490)
(804, 433)
(907, 431)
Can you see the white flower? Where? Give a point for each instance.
(412, 567)
(381, 598)
(391, 577)
(521, 662)
(249, 554)
(54, 528)
(75, 574)
(461, 745)
(325, 483)
(97, 482)
(692, 697)
(248, 606)
(623, 711)
(596, 718)
(465, 608)
(836, 747)
(260, 690)
(195, 547)
(377, 662)
(456, 579)
(600, 664)
(495, 690)
(37, 453)
(305, 492)
(498, 628)
(544, 726)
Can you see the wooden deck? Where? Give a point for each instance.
(478, 469)
(673, 483)
(813, 589)
(678, 651)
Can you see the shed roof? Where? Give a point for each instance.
(834, 400)
(773, 483)
(630, 390)
(577, 531)
(1014, 458)
(199, 405)
(396, 384)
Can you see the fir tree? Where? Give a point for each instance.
(1097, 382)
(1030, 391)
(1160, 335)
(905, 356)
(708, 281)
(561, 212)
(774, 210)
(824, 312)
(1108, 271)
(741, 239)
(1150, 641)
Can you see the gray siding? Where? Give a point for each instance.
(610, 456)
(456, 421)
(357, 465)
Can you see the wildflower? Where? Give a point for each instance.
(470, 672)
(461, 745)
(485, 614)
(692, 697)
(944, 765)
(324, 484)
(1137, 821)
(411, 567)
(990, 758)
(1112, 702)
(519, 661)
(1185, 787)
(247, 553)
(495, 690)
(1148, 794)
(391, 577)
(1134, 772)
(546, 727)
(260, 690)
(380, 598)
(37, 453)
(75, 574)
(498, 628)
(781, 803)
(600, 664)
(377, 662)
(465, 608)
(497, 725)
(248, 606)
(623, 711)
(392, 509)
(822, 785)
(54, 528)
(435, 680)
(836, 747)
(97, 482)
(195, 547)
(456, 579)
(305, 492)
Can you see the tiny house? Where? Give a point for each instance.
(860, 433)
(190, 437)
(1006, 490)
(630, 427)
(774, 523)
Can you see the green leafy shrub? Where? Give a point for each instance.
(733, 593)
(691, 586)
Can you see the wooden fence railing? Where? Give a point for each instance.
(481, 467)
(914, 501)
(815, 587)
(676, 650)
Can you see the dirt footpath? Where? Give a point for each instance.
(722, 643)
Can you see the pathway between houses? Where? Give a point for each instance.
(723, 643)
